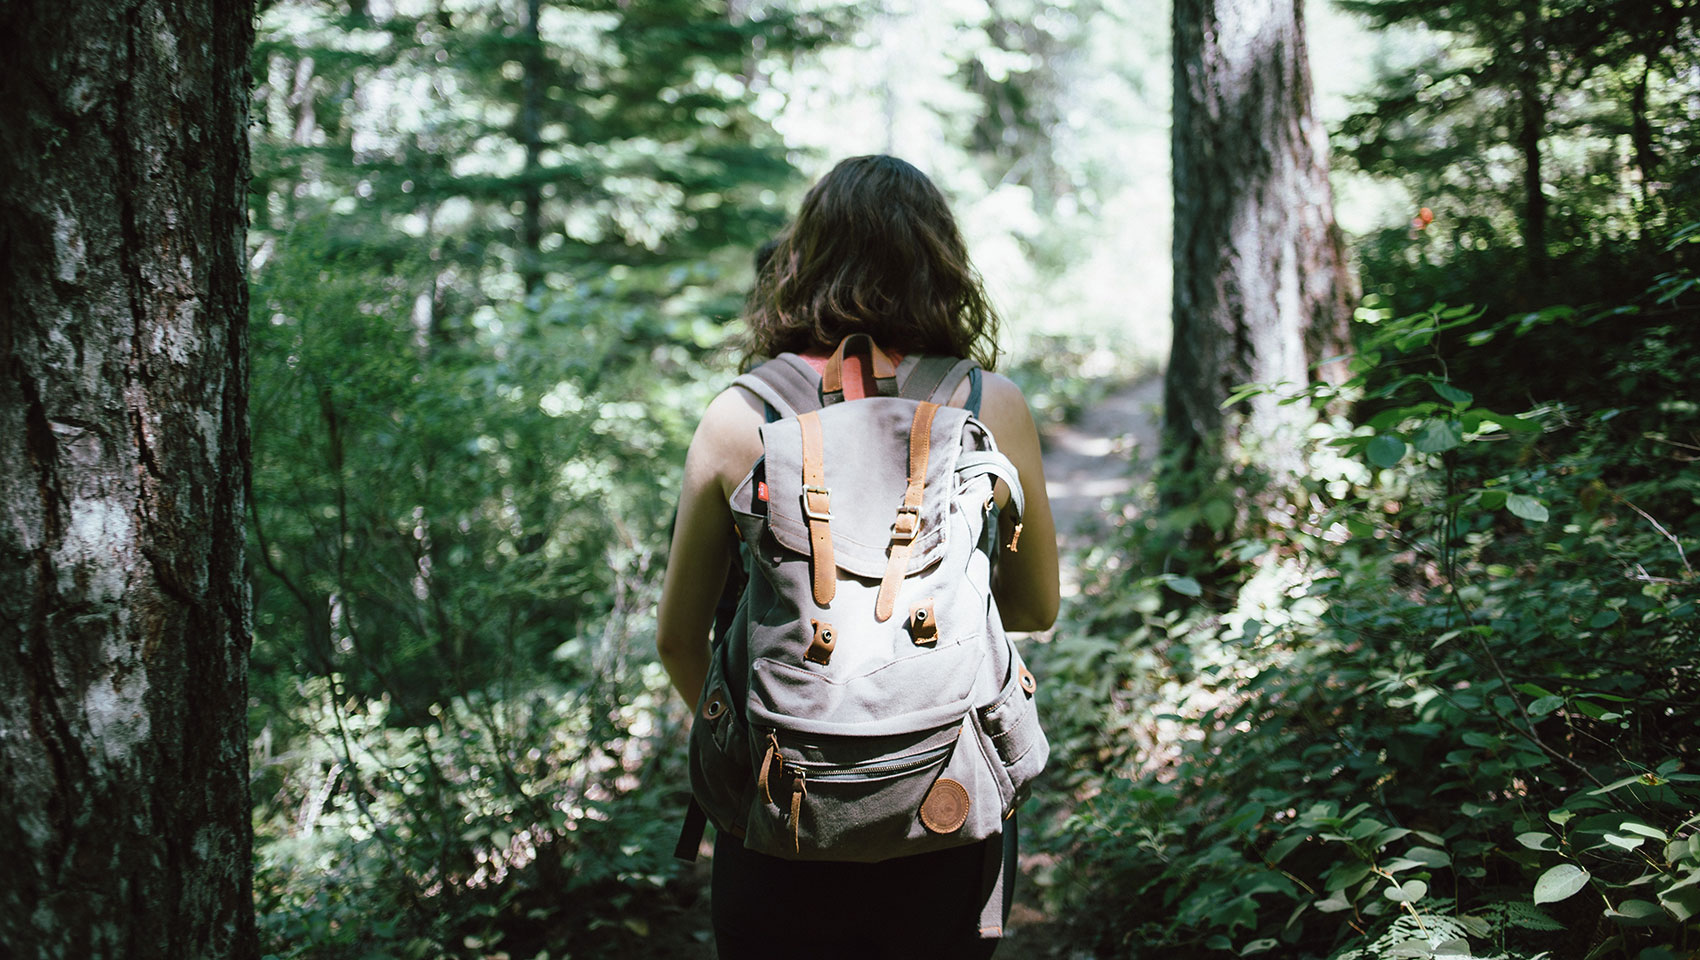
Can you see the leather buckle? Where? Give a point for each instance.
(904, 534)
(810, 491)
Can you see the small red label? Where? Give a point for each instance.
(761, 490)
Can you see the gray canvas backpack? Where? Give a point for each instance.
(865, 702)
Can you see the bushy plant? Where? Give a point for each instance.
(1445, 706)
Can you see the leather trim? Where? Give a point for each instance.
(924, 623)
(817, 509)
(907, 527)
(822, 644)
(945, 809)
(885, 375)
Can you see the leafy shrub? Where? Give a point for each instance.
(1447, 708)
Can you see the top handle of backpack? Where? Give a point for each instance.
(832, 378)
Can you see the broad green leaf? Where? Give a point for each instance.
(1334, 903)
(1409, 948)
(1615, 785)
(1538, 841)
(1438, 436)
(1408, 892)
(1527, 507)
(1623, 842)
(1456, 947)
(1561, 817)
(1630, 826)
(1542, 706)
(1284, 846)
(1185, 586)
(1448, 392)
(1560, 883)
(1637, 909)
(1400, 864)
(1477, 926)
(1429, 857)
(1604, 618)
(1385, 451)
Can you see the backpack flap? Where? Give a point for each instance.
(866, 482)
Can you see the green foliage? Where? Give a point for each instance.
(1449, 709)
(1541, 144)
(481, 337)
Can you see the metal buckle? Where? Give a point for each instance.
(904, 536)
(824, 514)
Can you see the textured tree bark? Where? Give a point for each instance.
(1261, 286)
(124, 617)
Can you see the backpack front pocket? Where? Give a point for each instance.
(839, 799)
(1009, 728)
(721, 779)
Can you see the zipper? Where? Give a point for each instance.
(870, 769)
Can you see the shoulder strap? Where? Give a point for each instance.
(993, 464)
(786, 383)
(935, 378)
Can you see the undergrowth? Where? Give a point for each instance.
(1442, 700)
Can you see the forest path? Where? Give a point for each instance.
(1109, 449)
(1104, 453)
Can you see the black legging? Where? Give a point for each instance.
(921, 906)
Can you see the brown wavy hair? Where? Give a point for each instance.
(874, 250)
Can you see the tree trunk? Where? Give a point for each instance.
(124, 615)
(1261, 288)
(1532, 107)
(531, 137)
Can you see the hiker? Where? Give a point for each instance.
(874, 250)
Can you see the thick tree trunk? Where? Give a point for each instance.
(1261, 288)
(124, 618)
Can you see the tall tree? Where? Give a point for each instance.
(1261, 287)
(124, 623)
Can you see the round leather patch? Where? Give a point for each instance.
(946, 808)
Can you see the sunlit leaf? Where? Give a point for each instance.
(1527, 507)
(1560, 883)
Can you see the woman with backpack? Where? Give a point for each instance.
(874, 251)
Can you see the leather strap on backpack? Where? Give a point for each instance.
(832, 378)
(908, 524)
(817, 507)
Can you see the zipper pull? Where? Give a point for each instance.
(799, 788)
(1015, 539)
(767, 761)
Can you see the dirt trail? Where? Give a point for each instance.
(1106, 452)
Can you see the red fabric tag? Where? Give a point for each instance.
(761, 490)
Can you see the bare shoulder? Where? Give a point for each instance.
(1003, 408)
(728, 439)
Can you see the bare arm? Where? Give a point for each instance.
(725, 445)
(1025, 582)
